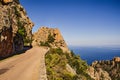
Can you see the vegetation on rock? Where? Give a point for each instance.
(51, 38)
(46, 36)
(44, 44)
(47, 43)
(56, 61)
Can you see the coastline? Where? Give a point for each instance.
(91, 54)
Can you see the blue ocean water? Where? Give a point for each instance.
(91, 54)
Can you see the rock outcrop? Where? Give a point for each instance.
(49, 37)
(14, 26)
(105, 70)
(98, 74)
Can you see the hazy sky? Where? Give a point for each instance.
(81, 22)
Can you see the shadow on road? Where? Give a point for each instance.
(2, 71)
(17, 52)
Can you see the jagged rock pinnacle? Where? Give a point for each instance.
(50, 36)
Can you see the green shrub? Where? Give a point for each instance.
(48, 42)
(72, 54)
(21, 32)
(44, 44)
(50, 38)
(56, 61)
(59, 51)
(17, 12)
(68, 76)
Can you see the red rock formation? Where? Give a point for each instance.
(6, 43)
(14, 24)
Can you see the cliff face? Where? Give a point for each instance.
(107, 70)
(49, 37)
(14, 26)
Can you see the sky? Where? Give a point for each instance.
(81, 22)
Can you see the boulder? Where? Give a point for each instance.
(116, 59)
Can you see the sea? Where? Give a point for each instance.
(91, 54)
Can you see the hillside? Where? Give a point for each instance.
(65, 66)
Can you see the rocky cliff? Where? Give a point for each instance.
(15, 27)
(106, 69)
(50, 37)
